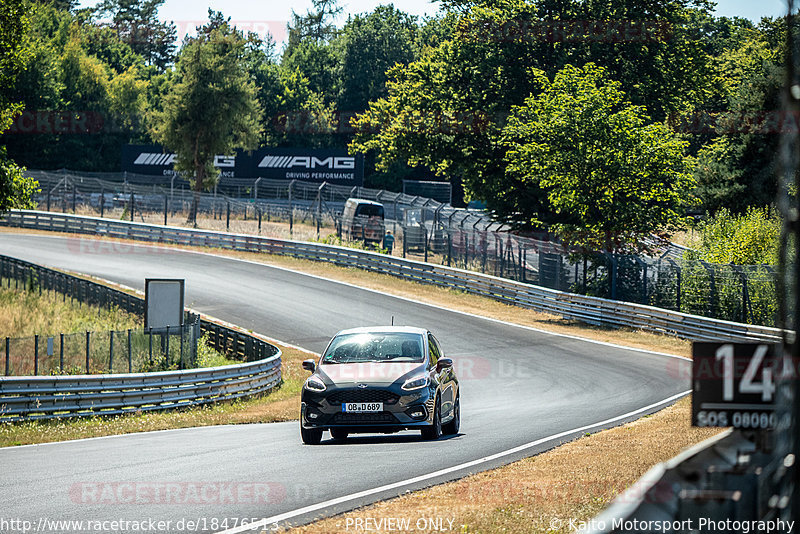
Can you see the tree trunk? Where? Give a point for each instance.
(198, 187)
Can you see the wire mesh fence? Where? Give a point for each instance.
(101, 352)
(123, 351)
(426, 230)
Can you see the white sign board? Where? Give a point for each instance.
(163, 303)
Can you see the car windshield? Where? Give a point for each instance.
(375, 347)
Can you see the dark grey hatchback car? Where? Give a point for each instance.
(380, 379)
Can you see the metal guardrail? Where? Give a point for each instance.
(47, 397)
(592, 310)
(725, 477)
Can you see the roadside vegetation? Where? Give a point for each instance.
(24, 312)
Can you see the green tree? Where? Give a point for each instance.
(136, 23)
(370, 45)
(16, 191)
(751, 238)
(610, 176)
(212, 108)
(736, 169)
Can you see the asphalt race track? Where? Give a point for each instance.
(519, 386)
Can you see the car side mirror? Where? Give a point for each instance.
(444, 363)
(309, 365)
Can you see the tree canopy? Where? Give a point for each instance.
(212, 108)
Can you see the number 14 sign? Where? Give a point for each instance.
(734, 385)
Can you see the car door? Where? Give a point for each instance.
(443, 377)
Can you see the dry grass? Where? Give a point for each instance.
(574, 481)
(281, 405)
(26, 313)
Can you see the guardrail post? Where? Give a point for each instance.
(48, 200)
(102, 202)
(61, 354)
(130, 355)
(227, 214)
(87, 352)
(258, 210)
(132, 206)
(74, 197)
(36, 355)
(166, 208)
(8, 356)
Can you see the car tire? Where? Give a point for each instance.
(338, 434)
(454, 425)
(434, 431)
(310, 436)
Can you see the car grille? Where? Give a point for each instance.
(343, 418)
(363, 395)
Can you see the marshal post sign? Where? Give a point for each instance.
(334, 166)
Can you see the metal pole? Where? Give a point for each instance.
(36, 355)
(291, 210)
(227, 214)
(166, 208)
(130, 357)
(180, 364)
(255, 190)
(74, 197)
(132, 206)
(87, 352)
(259, 219)
(8, 356)
(61, 354)
(151, 344)
(48, 200)
(102, 203)
(166, 351)
(110, 351)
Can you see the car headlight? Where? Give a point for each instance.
(315, 384)
(416, 382)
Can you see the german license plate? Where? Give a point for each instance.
(362, 407)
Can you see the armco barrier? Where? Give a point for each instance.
(586, 309)
(47, 397)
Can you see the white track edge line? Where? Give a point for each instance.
(339, 500)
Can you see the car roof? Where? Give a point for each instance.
(385, 329)
(363, 201)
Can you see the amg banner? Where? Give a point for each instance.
(334, 166)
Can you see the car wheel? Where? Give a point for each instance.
(310, 436)
(434, 431)
(453, 426)
(338, 434)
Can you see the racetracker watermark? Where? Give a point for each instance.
(94, 247)
(177, 493)
(342, 122)
(764, 122)
(568, 31)
(264, 29)
(62, 122)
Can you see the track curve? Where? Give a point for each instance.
(519, 386)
